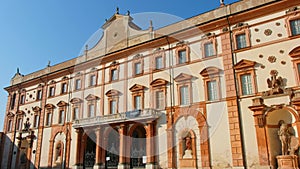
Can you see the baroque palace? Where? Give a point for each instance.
(217, 90)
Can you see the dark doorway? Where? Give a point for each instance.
(138, 148)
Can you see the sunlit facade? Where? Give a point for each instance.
(206, 92)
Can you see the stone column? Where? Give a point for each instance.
(150, 145)
(262, 143)
(78, 164)
(123, 142)
(99, 164)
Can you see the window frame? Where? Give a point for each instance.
(184, 80)
(91, 100)
(115, 66)
(39, 94)
(137, 91)
(49, 110)
(246, 67)
(209, 40)
(239, 30)
(210, 74)
(92, 79)
(113, 95)
(76, 103)
(182, 47)
(50, 91)
(159, 85)
(138, 59)
(291, 16)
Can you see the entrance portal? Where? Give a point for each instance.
(90, 152)
(138, 148)
(112, 150)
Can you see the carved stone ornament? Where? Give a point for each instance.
(268, 32)
(272, 59)
(275, 84)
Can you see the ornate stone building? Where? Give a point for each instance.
(207, 92)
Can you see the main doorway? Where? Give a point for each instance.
(138, 148)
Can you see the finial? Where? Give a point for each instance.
(105, 20)
(222, 3)
(151, 25)
(128, 12)
(49, 63)
(117, 10)
(86, 47)
(18, 71)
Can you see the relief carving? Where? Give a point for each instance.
(275, 84)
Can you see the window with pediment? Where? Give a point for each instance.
(78, 81)
(159, 88)
(91, 105)
(20, 116)
(137, 92)
(241, 36)
(62, 107)
(10, 120)
(184, 86)
(246, 77)
(211, 78)
(76, 108)
(36, 120)
(49, 114)
(295, 56)
(113, 100)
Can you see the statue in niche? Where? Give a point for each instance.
(27, 125)
(275, 83)
(289, 143)
(284, 136)
(58, 154)
(188, 146)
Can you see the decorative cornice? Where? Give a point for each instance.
(210, 71)
(112, 93)
(158, 82)
(183, 77)
(91, 97)
(244, 64)
(137, 87)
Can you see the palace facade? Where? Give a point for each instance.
(207, 92)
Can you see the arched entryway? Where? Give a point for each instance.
(274, 118)
(138, 148)
(112, 150)
(90, 152)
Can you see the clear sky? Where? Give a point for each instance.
(35, 31)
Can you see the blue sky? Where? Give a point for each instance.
(35, 31)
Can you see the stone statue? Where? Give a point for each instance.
(275, 83)
(284, 136)
(27, 125)
(188, 144)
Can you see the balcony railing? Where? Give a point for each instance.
(118, 117)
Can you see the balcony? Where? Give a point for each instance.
(135, 115)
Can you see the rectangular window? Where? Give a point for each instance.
(91, 110)
(295, 27)
(113, 107)
(64, 87)
(138, 68)
(209, 49)
(61, 117)
(19, 124)
(36, 121)
(51, 91)
(22, 101)
(39, 95)
(182, 56)
(212, 91)
(77, 84)
(160, 99)
(9, 127)
(246, 84)
(241, 41)
(48, 119)
(92, 80)
(114, 74)
(184, 95)
(159, 62)
(75, 113)
(137, 102)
